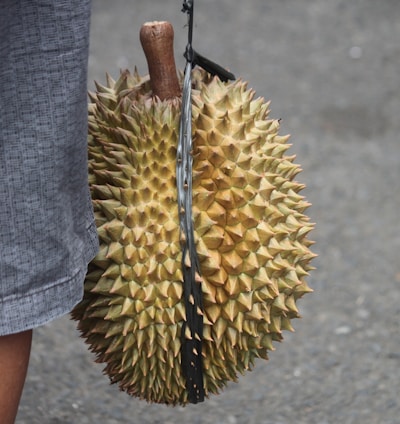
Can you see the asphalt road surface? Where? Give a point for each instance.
(331, 70)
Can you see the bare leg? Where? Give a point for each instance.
(14, 358)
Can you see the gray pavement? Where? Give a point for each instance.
(331, 69)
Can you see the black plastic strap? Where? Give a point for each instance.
(192, 329)
(196, 58)
(211, 67)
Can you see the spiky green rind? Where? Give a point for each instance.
(250, 229)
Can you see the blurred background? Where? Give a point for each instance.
(331, 70)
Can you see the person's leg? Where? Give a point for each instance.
(14, 358)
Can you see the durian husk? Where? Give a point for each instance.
(250, 230)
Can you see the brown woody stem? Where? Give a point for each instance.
(157, 40)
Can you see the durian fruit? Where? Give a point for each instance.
(250, 231)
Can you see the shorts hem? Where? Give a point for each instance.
(35, 309)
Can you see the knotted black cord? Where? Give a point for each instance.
(192, 329)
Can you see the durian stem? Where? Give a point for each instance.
(157, 40)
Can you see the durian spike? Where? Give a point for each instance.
(157, 39)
